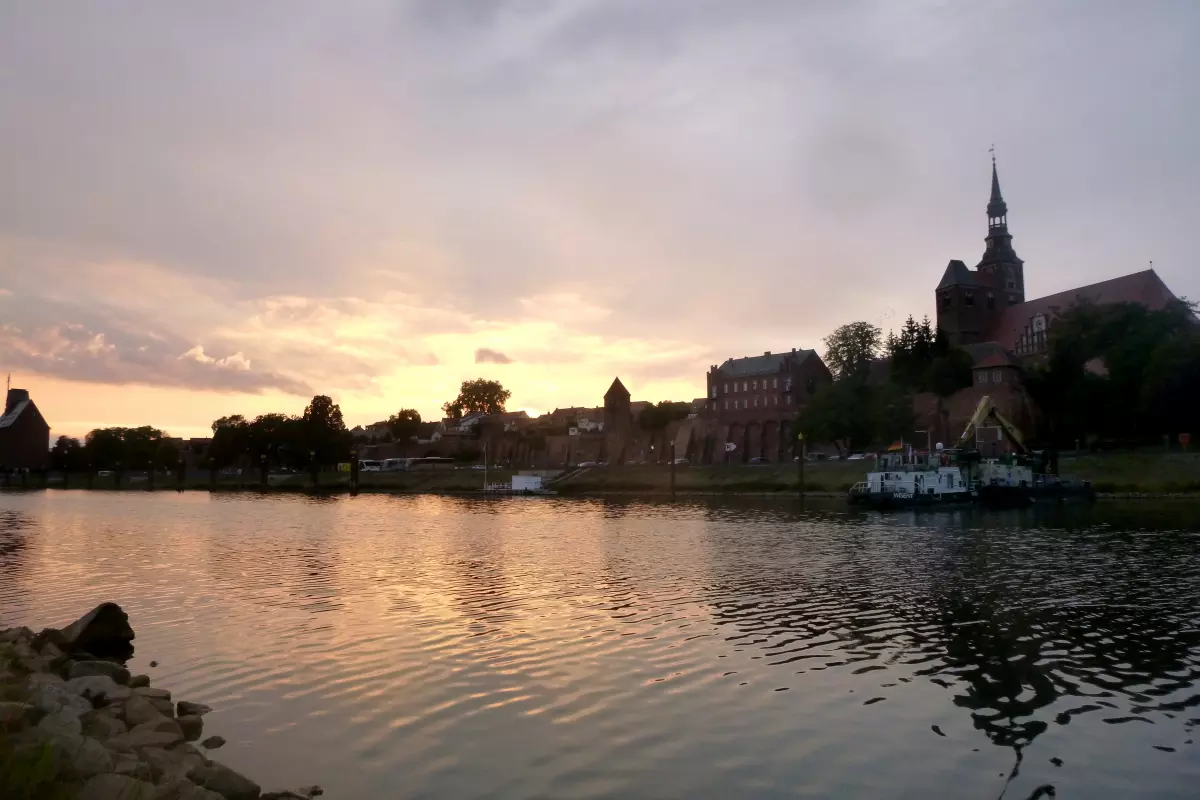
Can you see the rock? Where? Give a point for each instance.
(168, 766)
(14, 715)
(184, 708)
(185, 790)
(84, 755)
(43, 678)
(192, 726)
(139, 681)
(98, 688)
(130, 765)
(116, 787)
(50, 650)
(284, 795)
(162, 732)
(315, 791)
(61, 721)
(213, 742)
(139, 710)
(50, 697)
(10, 635)
(225, 782)
(104, 631)
(153, 664)
(151, 693)
(102, 725)
(83, 669)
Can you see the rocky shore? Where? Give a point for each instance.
(75, 725)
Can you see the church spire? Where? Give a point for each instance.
(997, 209)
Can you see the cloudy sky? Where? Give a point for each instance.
(227, 206)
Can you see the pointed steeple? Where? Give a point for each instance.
(997, 209)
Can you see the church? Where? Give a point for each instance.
(984, 309)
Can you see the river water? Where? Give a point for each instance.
(433, 647)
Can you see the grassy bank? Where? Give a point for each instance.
(1111, 473)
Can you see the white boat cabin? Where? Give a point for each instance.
(937, 481)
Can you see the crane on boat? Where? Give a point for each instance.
(986, 410)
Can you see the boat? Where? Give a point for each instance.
(913, 480)
(961, 475)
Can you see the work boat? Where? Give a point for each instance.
(913, 479)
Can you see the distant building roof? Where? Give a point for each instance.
(14, 412)
(957, 274)
(766, 364)
(986, 354)
(616, 390)
(1144, 288)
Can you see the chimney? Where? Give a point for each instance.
(15, 396)
(767, 353)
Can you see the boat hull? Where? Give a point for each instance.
(910, 499)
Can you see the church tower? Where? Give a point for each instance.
(969, 301)
(1004, 271)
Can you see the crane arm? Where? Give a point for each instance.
(985, 410)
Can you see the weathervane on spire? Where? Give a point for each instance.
(992, 150)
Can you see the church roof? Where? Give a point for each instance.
(766, 364)
(986, 354)
(1144, 288)
(616, 390)
(14, 413)
(957, 274)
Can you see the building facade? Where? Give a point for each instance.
(756, 400)
(24, 434)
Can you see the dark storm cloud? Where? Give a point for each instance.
(486, 356)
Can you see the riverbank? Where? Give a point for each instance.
(1126, 475)
(75, 725)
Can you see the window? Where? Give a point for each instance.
(1010, 284)
(991, 301)
(776, 399)
(754, 384)
(727, 388)
(746, 403)
(774, 383)
(756, 401)
(968, 299)
(745, 386)
(946, 301)
(982, 376)
(995, 376)
(789, 399)
(726, 405)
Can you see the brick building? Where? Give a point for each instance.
(755, 401)
(987, 303)
(24, 434)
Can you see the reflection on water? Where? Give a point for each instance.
(434, 647)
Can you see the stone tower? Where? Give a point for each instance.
(618, 416)
(969, 301)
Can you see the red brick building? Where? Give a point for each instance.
(755, 400)
(24, 434)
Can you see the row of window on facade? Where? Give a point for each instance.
(748, 386)
(766, 401)
(969, 300)
(982, 376)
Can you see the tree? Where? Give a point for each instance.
(478, 395)
(657, 417)
(67, 455)
(851, 348)
(230, 441)
(325, 431)
(404, 424)
(105, 448)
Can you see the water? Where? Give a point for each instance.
(450, 648)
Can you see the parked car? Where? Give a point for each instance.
(833, 457)
(856, 457)
(588, 464)
(759, 460)
(681, 461)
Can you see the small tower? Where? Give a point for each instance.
(618, 415)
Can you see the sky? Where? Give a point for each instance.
(227, 207)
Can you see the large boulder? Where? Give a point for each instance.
(138, 710)
(102, 724)
(13, 634)
(162, 732)
(184, 708)
(168, 766)
(108, 669)
(104, 631)
(98, 689)
(14, 715)
(82, 754)
(50, 697)
(192, 726)
(185, 790)
(116, 787)
(61, 721)
(225, 782)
